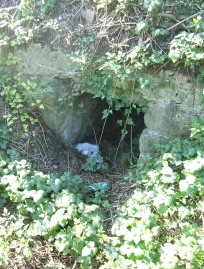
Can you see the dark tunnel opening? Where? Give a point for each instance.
(109, 135)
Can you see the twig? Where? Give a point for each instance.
(170, 16)
(111, 218)
(104, 124)
(51, 109)
(75, 263)
(44, 151)
(183, 21)
(93, 131)
(40, 126)
(9, 8)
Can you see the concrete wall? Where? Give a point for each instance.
(172, 99)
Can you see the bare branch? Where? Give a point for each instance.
(186, 19)
(9, 8)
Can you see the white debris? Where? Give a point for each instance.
(88, 15)
(87, 149)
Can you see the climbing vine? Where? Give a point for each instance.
(110, 60)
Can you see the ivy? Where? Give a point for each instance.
(55, 209)
(158, 227)
(189, 47)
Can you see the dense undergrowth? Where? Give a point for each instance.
(125, 39)
(160, 226)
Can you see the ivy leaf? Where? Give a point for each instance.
(183, 185)
(170, 249)
(183, 212)
(38, 196)
(144, 82)
(106, 113)
(158, 57)
(120, 122)
(89, 250)
(189, 185)
(162, 208)
(170, 178)
(166, 170)
(56, 185)
(66, 250)
(174, 54)
(141, 26)
(118, 105)
(189, 152)
(156, 230)
(192, 191)
(158, 32)
(196, 21)
(130, 121)
(59, 217)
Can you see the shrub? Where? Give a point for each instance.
(160, 225)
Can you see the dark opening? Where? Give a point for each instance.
(108, 134)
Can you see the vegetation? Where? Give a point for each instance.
(161, 225)
(135, 36)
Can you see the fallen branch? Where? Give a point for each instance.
(186, 19)
(8, 8)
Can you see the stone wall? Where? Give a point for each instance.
(172, 99)
(68, 114)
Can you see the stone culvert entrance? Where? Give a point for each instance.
(77, 117)
(108, 135)
(172, 97)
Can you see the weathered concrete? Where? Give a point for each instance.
(68, 116)
(164, 123)
(172, 99)
(169, 119)
(42, 61)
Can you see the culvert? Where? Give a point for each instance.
(79, 119)
(108, 135)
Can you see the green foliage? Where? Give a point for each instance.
(151, 5)
(156, 33)
(100, 82)
(189, 47)
(19, 96)
(45, 6)
(95, 163)
(98, 194)
(54, 208)
(158, 227)
(184, 35)
(5, 137)
(13, 228)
